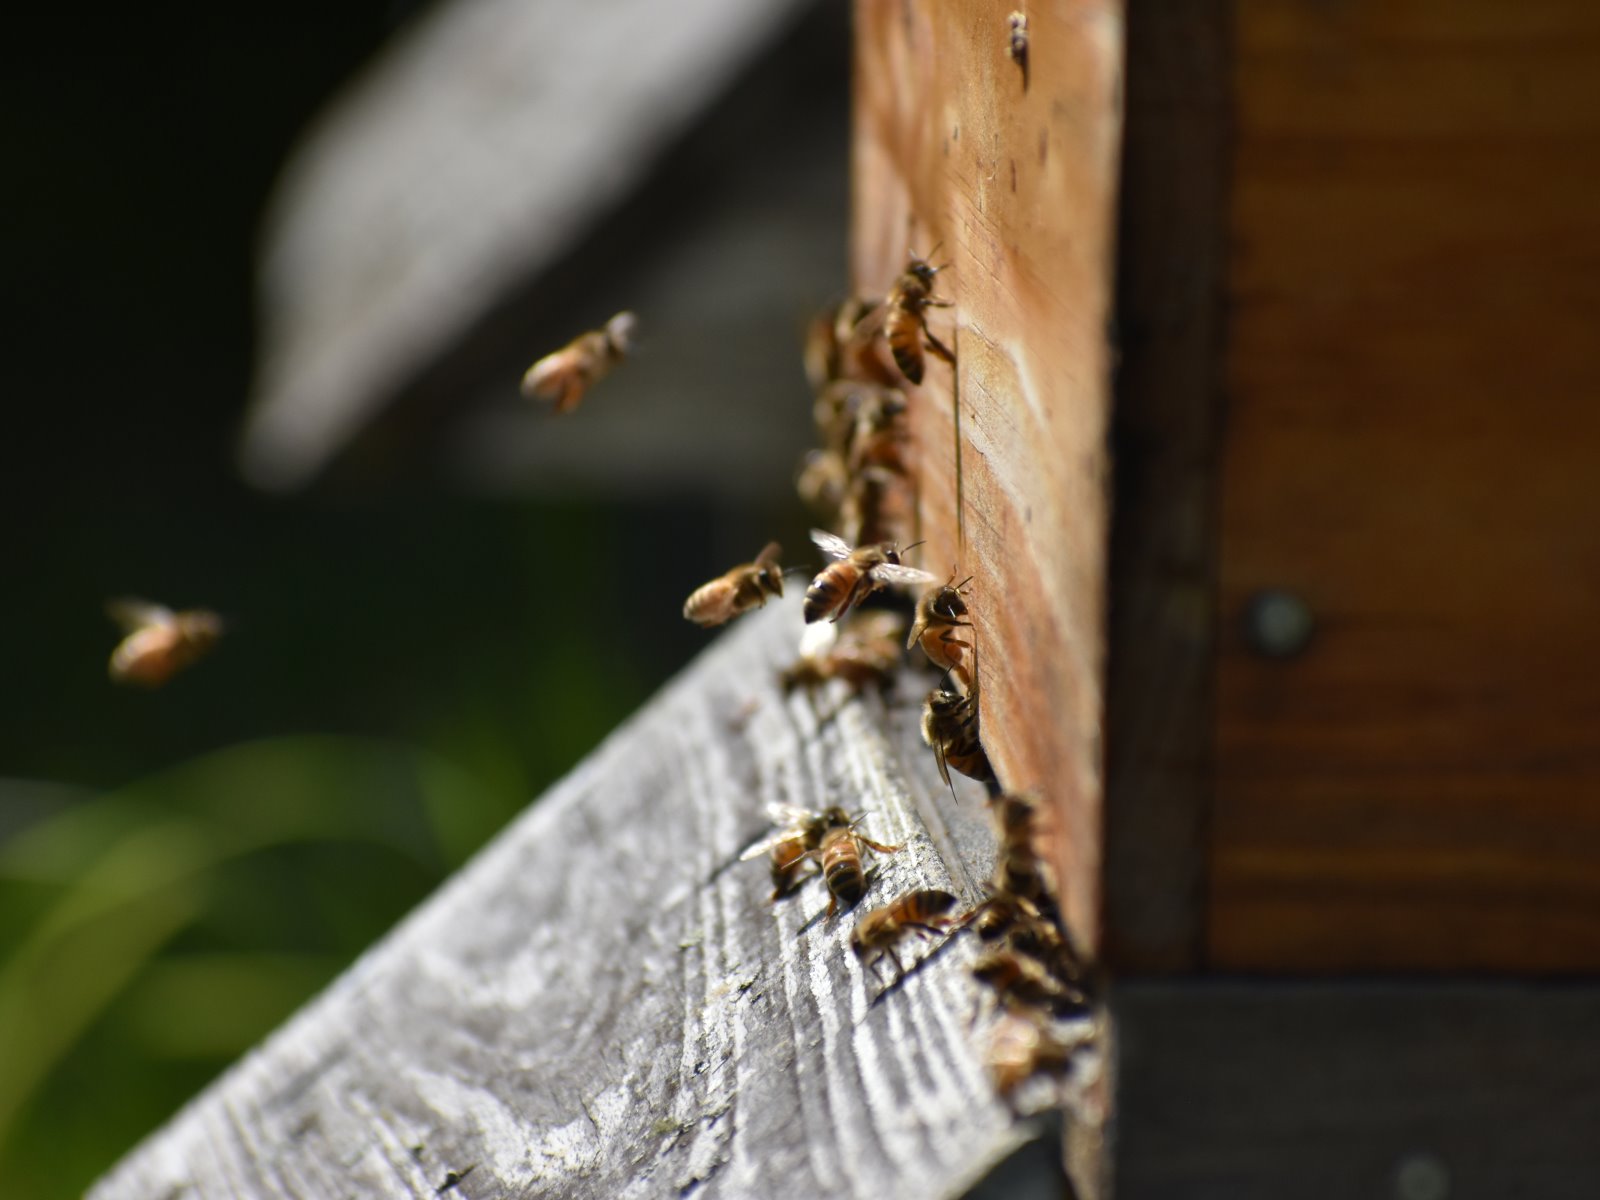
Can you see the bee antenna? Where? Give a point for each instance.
(914, 545)
(963, 583)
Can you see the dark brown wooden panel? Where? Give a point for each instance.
(1413, 449)
(1256, 1091)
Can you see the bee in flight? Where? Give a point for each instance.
(939, 614)
(924, 911)
(800, 833)
(159, 642)
(745, 587)
(565, 375)
(905, 319)
(859, 572)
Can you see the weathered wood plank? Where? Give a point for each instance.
(1413, 445)
(1013, 175)
(603, 1003)
(1166, 438)
(1239, 1091)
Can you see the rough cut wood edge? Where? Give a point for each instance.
(603, 1003)
(1161, 682)
(1012, 175)
(1265, 1090)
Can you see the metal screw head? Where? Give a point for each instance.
(1421, 1176)
(1278, 623)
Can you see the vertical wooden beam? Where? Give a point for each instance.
(1171, 257)
(1013, 173)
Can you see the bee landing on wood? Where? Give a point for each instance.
(159, 642)
(860, 571)
(905, 319)
(565, 375)
(744, 587)
(920, 912)
(841, 853)
(1022, 983)
(794, 845)
(939, 614)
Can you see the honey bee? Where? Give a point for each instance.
(921, 912)
(159, 642)
(823, 483)
(842, 869)
(939, 613)
(1021, 982)
(867, 651)
(1000, 914)
(795, 843)
(1023, 1047)
(1019, 871)
(905, 320)
(841, 343)
(744, 587)
(1017, 43)
(950, 726)
(565, 375)
(860, 571)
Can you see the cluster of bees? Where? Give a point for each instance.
(860, 481)
(859, 357)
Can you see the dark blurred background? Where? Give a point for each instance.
(411, 657)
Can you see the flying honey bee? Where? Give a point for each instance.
(905, 319)
(939, 613)
(159, 642)
(950, 726)
(565, 375)
(744, 587)
(795, 843)
(823, 483)
(860, 571)
(842, 869)
(866, 652)
(923, 911)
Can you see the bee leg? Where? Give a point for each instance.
(878, 846)
(899, 969)
(939, 349)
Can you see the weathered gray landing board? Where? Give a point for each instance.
(1258, 1090)
(603, 1004)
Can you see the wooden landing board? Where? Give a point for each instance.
(603, 1003)
(1325, 1091)
(1012, 174)
(1413, 446)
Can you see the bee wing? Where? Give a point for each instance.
(831, 544)
(132, 613)
(897, 573)
(788, 818)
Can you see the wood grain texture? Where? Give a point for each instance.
(1413, 447)
(1255, 1091)
(1171, 258)
(603, 1003)
(1013, 176)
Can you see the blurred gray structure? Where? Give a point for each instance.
(510, 174)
